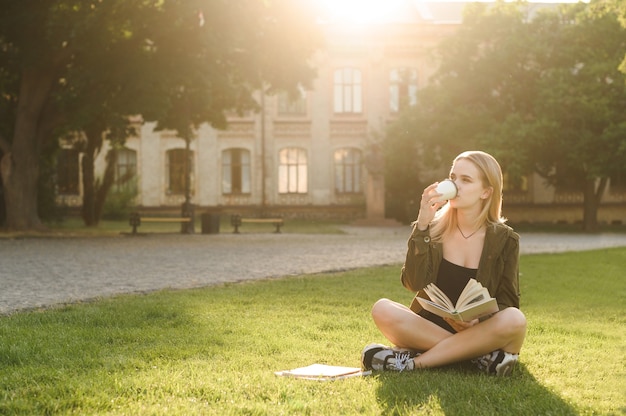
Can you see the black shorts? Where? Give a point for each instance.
(437, 320)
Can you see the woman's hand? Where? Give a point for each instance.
(428, 206)
(459, 326)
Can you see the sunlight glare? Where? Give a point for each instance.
(380, 11)
(362, 11)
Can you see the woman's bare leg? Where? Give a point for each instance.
(405, 329)
(401, 326)
(505, 331)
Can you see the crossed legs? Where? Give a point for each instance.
(503, 331)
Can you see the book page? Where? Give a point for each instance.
(323, 372)
(436, 295)
(470, 288)
(474, 302)
(476, 299)
(474, 292)
(473, 311)
(435, 308)
(477, 310)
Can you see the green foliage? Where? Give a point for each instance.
(214, 350)
(120, 202)
(47, 206)
(86, 66)
(582, 95)
(402, 169)
(540, 92)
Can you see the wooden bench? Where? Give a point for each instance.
(136, 219)
(237, 220)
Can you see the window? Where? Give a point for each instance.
(176, 167)
(125, 170)
(67, 172)
(292, 105)
(348, 170)
(236, 171)
(348, 91)
(402, 89)
(292, 171)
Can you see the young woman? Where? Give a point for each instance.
(451, 242)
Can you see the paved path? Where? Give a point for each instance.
(38, 272)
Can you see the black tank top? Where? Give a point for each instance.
(451, 279)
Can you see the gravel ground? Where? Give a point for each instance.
(37, 272)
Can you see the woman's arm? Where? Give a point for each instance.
(417, 268)
(499, 270)
(508, 293)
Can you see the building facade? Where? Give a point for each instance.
(317, 155)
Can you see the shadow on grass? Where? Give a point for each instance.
(461, 389)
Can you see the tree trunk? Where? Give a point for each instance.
(19, 180)
(95, 191)
(87, 167)
(92, 148)
(107, 182)
(20, 165)
(592, 198)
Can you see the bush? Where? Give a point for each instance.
(120, 203)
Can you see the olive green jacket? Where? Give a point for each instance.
(498, 269)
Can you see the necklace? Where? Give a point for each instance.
(464, 236)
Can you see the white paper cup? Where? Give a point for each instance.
(448, 190)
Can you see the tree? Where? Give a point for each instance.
(617, 7)
(75, 65)
(579, 125)
(100, 90)
(476, 84)
(541, 94)
(27, 80)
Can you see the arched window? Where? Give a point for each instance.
(292, 171)
(176, 171)
(348, 91)
(236, 171)
(125, 169)
(348, 170)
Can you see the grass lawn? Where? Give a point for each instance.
(214, 351)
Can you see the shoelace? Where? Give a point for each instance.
(402, 360)
(484, 361)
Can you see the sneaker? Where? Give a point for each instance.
(379, 357)
(498, 362)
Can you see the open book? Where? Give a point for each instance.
(323, 372)
(473, 302)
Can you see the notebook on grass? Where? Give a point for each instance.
(323, 372)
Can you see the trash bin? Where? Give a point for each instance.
(210, 223)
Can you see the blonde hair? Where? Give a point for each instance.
(491, 213)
